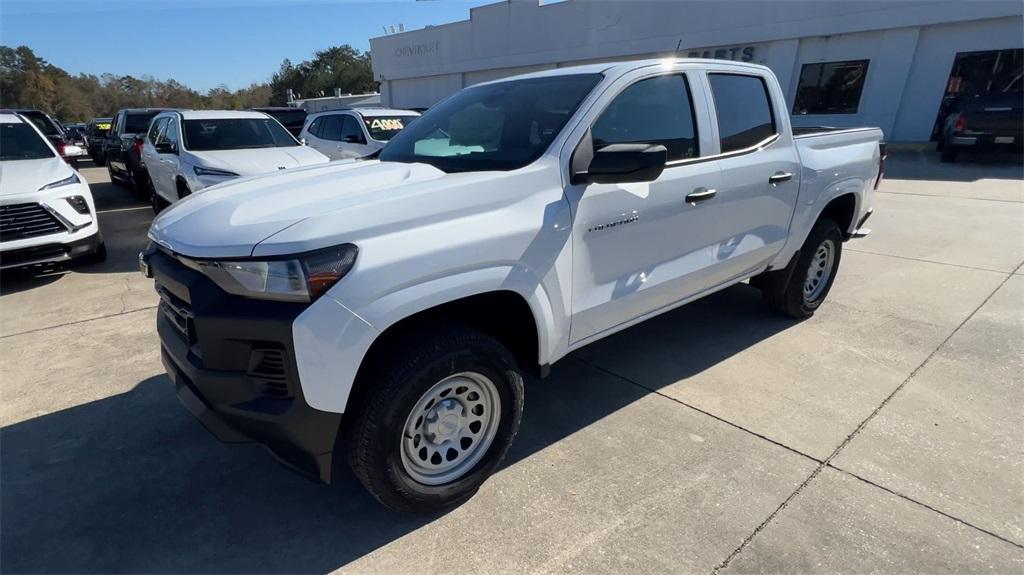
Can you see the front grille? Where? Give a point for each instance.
(179, 312)
(20, 221)
(267, 370)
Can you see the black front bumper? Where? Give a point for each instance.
(232, 362)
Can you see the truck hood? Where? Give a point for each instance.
(251, 162)
(230, 219)
(24, 176)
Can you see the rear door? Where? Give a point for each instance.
(639, 247)
(760, 173)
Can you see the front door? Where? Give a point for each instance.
(640, 247)
(353, 139)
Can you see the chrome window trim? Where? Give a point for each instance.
(755, 148)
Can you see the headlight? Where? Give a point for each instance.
(200, 171)
(300, 279)
(73, 179)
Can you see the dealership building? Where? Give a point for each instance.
(896, 65)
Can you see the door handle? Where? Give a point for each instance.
(700, 194)
(779, 177)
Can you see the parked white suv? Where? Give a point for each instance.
(355, 133)
(186, 151)
(46, 209)
(388, 307)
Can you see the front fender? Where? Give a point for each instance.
(331, 339)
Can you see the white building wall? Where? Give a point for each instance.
(910, 45)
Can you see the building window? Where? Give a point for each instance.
(744, 111)
(830, 87)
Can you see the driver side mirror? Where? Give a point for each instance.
(353, 139)
(166, 148)
(303, 141)
(622, 163)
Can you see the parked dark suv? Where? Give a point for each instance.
(291, 118)
(123, 148)
(96, 137)
(985, 122)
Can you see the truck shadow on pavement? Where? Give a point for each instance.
(134, 483)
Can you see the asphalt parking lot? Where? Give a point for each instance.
(883, 434)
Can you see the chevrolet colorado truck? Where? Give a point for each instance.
(386, 310)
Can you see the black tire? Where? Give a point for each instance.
(140, 183)
(940, 144)
(413, 365)
(114, 178)
(159, 204)
(948, 154)
(787, 295)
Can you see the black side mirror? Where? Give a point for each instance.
(622, 163)
(353, 139)
(166, 148)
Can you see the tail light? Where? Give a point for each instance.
(137, 147)
(960, 124)
(881, 164)
(60, 149)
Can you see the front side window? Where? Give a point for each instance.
(652, 111)
(499, 126)
(830, 87)
(170, 133)
(154, 130)
(744, 110)
(235, 134)
(21, 142)
(138, 122)
(383, 128)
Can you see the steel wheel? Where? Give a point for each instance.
(820, 270)
(450, 428)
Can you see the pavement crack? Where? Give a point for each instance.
(924, 261)
(108, 316)
(926, 506)
(856, 431)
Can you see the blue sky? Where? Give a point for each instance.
(204, 43)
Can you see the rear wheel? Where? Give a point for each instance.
(800, 295)
(434, 425)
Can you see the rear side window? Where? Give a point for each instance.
(330, 127)
(652, 111)
(744, 110)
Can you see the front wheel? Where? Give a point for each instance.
(812, 276)
(437, 422)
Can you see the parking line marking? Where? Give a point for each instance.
(123, 209)
(950, 197)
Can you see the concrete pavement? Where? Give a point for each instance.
(882, 435)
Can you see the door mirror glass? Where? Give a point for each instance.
(622, 163)
(166, 148)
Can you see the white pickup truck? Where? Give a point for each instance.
(386, 309)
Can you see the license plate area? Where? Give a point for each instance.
(1004, 139)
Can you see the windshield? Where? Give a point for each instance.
(21, 142)
(502, 126)
(288, 117)
(235, 134)
(383, 128)
(138, 123)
